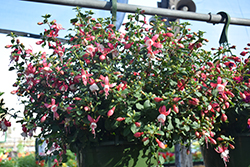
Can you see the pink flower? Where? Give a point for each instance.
(106, 85)
(85, 76)
(111, 112)
(46, 67)
(63, 87)
(93, 124)
(90, 49)
(53, 107)
(163, 113)
(151, 42)
(219, 86)
(223, 151)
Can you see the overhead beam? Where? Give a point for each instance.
(210, 18)
(28, 35)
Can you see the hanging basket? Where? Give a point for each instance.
(238, 157)
(109, 154)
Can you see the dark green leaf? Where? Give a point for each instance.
(11, 68)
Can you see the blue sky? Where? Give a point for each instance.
(23, 16)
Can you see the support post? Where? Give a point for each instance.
(182, 159)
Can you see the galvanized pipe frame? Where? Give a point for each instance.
(210, 18)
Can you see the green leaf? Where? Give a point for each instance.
(46, 16)
(79, 112)
(111, 124)
(172, 82)
(214, 92)
(126, 131)
(161, 159)
(187, 128)
(147, 104)
(198, 94)
(137, 116)
(195, 125)
(160, 133)
(128, 120)
(146, 142)
(139, 106)
(134, 128)
(170, 125)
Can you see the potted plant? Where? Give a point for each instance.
(139, 89)
(237, 123)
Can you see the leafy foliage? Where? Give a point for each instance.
(149, 83)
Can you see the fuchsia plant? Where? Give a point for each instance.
(148, 84)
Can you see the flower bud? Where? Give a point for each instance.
(243, 53)
(111, 112)
(160, 144)
(8, 46)
(223, 117)
(144, 139)
(219, 139)
(212, 140)
(138, 124)
(158, 99)
(176, 109)
(231, 146)
(43, 118)
(138, 134)
(119, 119)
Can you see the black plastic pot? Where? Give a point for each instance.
(111, 155)
(239, 157)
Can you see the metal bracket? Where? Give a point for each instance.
(113, 10)
(224, 34)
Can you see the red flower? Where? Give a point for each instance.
(243, 53)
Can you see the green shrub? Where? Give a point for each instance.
(8, 163)
(27, 161)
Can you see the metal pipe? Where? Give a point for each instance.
(210, 18)
(28, 35)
